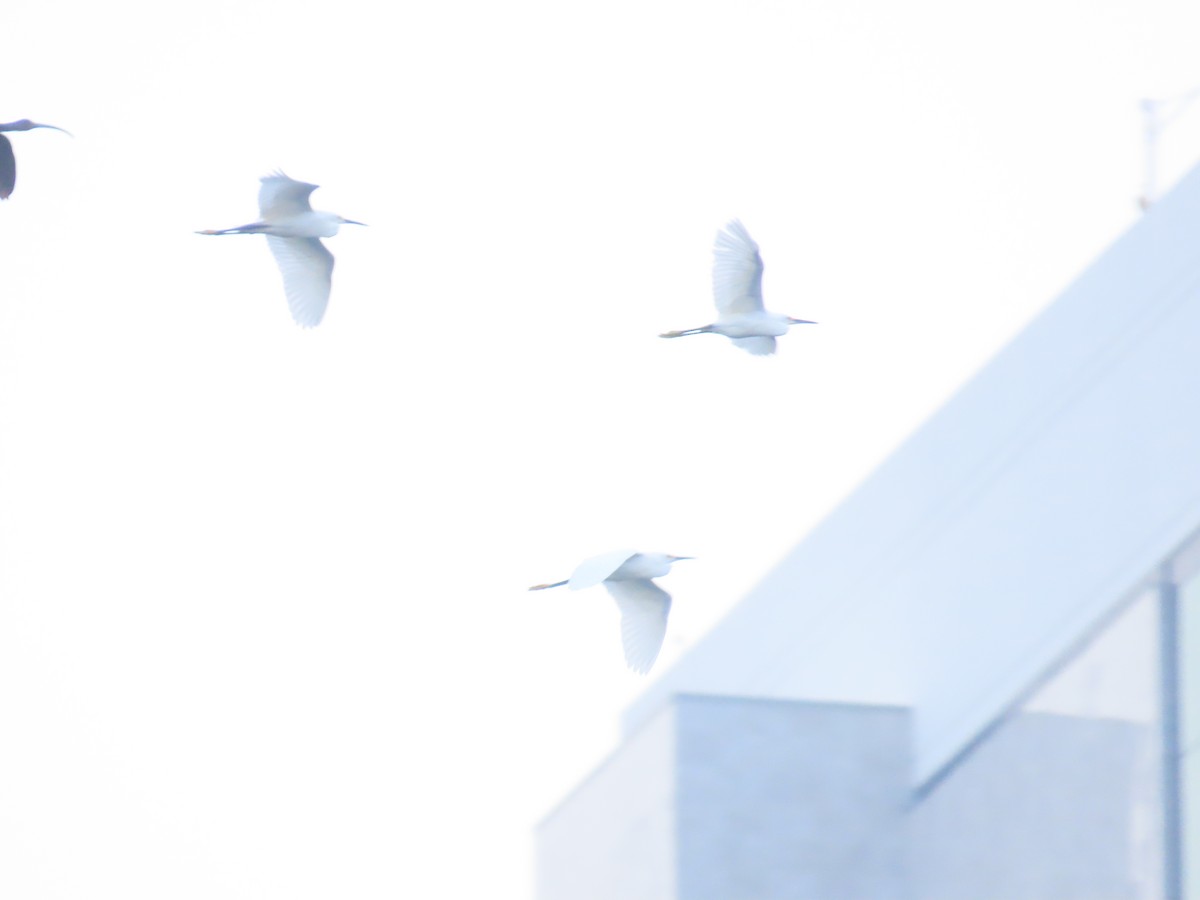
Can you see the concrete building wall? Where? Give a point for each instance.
(723, 798)
(790, 801)
(1046, 808)
(729, 799)
(614, 835)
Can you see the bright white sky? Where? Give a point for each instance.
(263, 621)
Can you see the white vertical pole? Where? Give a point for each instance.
(1150, 132)
(1156, 116)
(1170, 697)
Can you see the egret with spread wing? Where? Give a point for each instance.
(643, 604)
(294, 229)
(8, 162)
(737, 289)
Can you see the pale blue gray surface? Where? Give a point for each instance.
(720, 798)
(724, 799)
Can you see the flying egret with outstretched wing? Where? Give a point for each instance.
(644, 606)
(737, 292)
(294, 229)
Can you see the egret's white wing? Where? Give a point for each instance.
(591, 572)
(283, 196)
(737, 271)
(307, 269)
(644, 607)
(759, 346)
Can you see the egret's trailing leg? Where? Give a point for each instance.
(253, 228)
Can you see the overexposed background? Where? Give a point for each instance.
(263, 621)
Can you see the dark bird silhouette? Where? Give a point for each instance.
(8, 162)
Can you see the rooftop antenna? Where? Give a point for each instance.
(1156, 116)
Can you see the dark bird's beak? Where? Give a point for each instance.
(29, 125)
(33, 125)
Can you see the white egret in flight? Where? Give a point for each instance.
(644, 605)
(737, 289)
(8, 162)
(294, 229)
